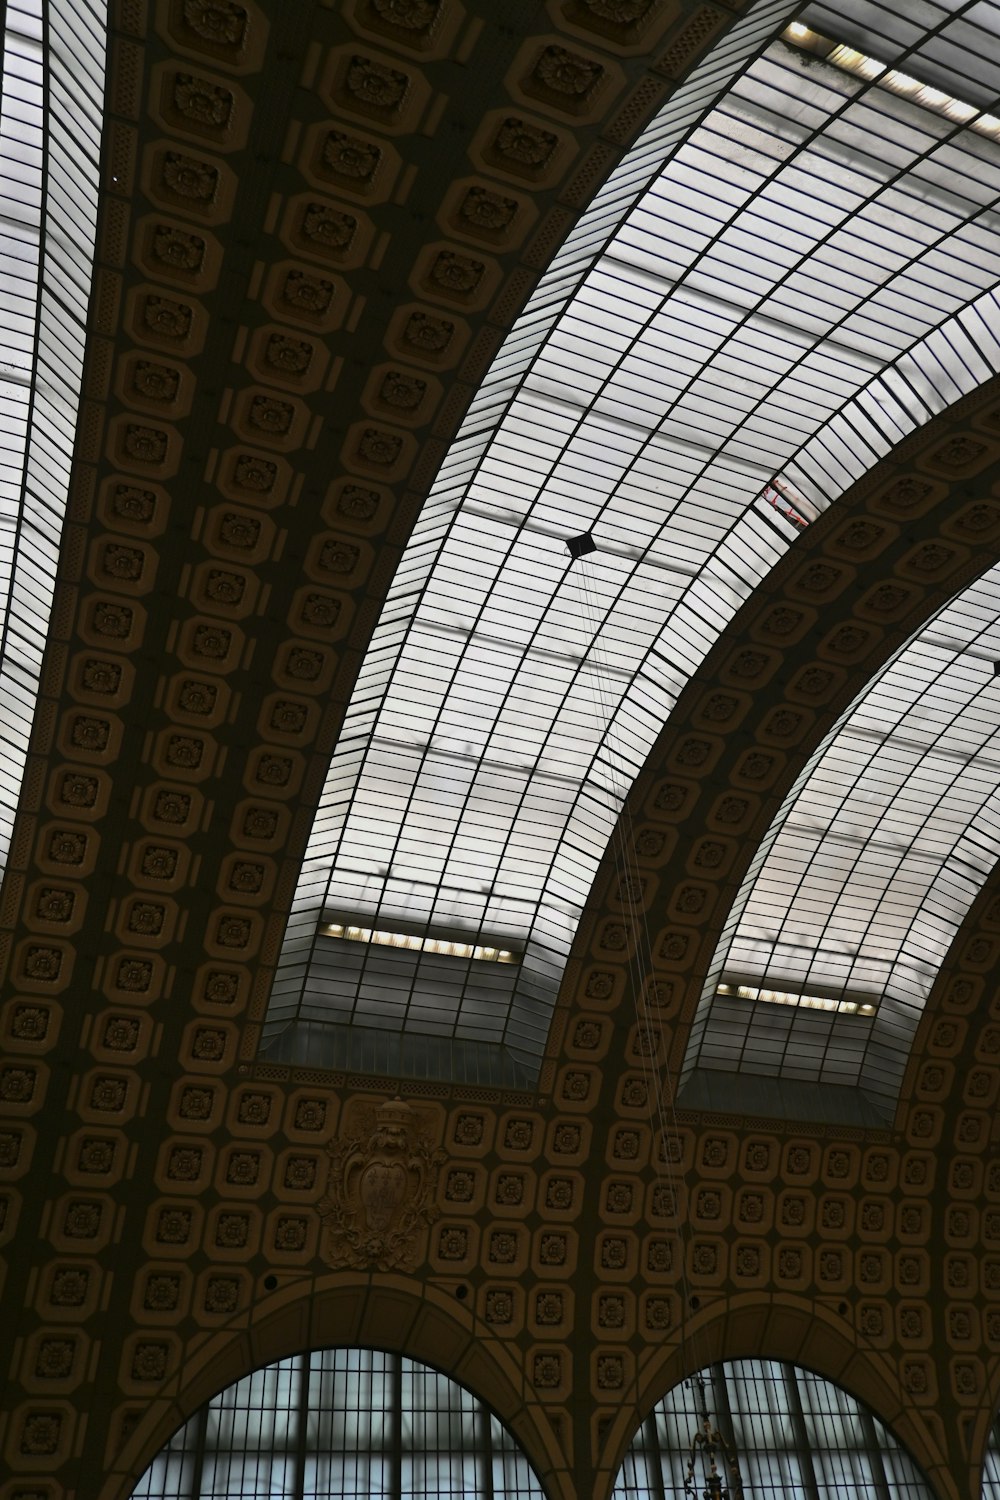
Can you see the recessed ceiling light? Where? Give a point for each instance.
(794, 997)
(850, 60)
(443, 947)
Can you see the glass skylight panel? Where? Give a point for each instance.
(877, 854)
(50, 130)
(808, 277)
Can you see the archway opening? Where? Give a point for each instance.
(793, 1434)
(336, 1424)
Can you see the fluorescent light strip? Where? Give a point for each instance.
(849, 60)
(446, 947)
(806, 1002)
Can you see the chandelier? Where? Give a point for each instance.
(709, 1449)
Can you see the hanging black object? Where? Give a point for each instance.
(580, 546)
(709, 1449)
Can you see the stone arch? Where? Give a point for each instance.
(395, 1313)
(787, 1328)
(960, 991)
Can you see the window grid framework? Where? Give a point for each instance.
(51, 118)
(797, 1437)
(337, 1424)
(489, 801)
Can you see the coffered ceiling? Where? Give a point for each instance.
(317, 226)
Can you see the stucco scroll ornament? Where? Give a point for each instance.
(380, 1192)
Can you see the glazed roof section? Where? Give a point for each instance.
(872, 863)
(808, 277)
(51, 114)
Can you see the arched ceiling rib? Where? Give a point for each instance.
(856, 895)
(50, 137)
(809, 278)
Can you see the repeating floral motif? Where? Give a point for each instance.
(518, 1179)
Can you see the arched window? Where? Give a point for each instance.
(795, 1434)
(337, 1424)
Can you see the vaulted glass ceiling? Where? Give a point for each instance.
(869, 868)
(727, 343)
(51, 112)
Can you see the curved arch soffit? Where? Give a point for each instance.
(960, 991)
(509, 699)
(795, 1331)
(776, 1413)
(348, 1311)
(863, 880)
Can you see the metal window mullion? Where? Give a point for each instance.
(200, 1442)
(396, 1426)
(3, 49)
(484, 1451)
(654, 1457)
(798, 1420)
(872, 1444)
(302, 1403)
